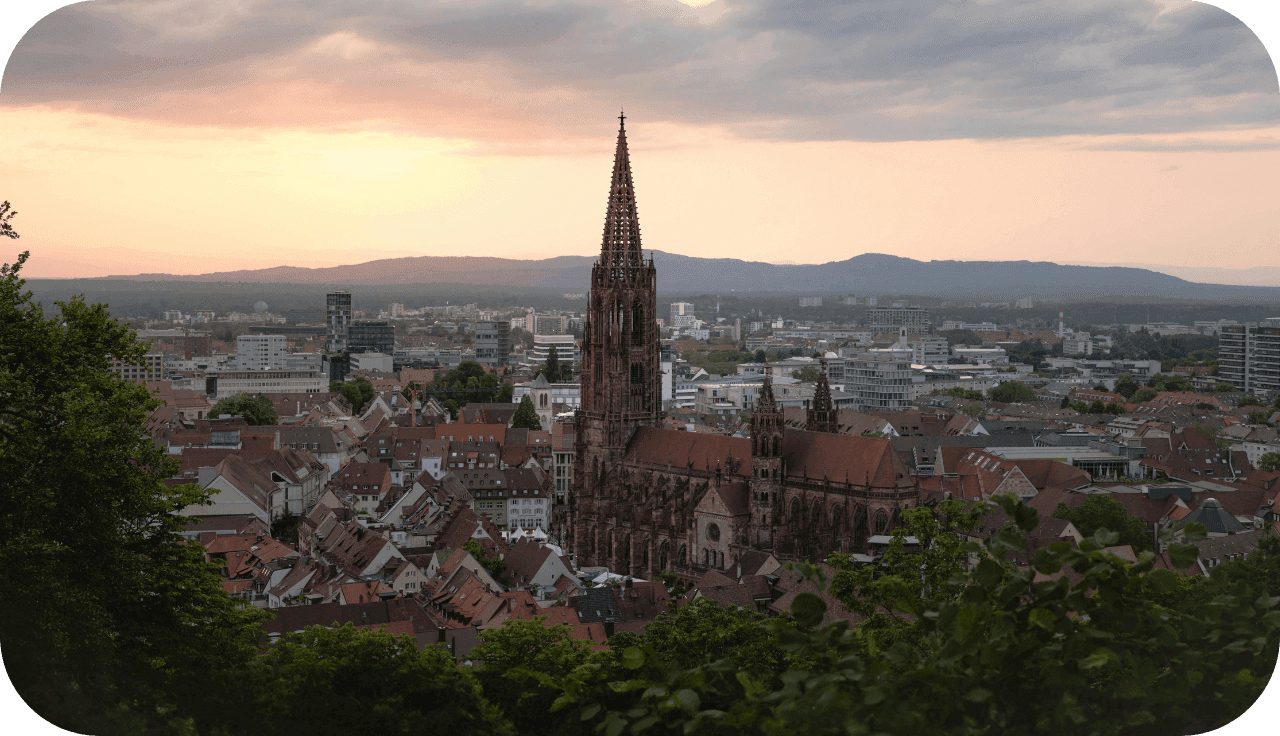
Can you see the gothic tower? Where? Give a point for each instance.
(822, 415)
(621, 378)
(766, 465)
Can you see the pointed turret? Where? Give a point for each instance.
(822, 417)
(621, 246)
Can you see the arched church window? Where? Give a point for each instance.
(882, 522)
(713, 532)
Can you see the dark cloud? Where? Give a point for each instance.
(870, 70)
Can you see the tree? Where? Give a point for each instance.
(703, 631)
(1012, 392)
(493, 563)
(526, 417)
(6, 228)
(358, 392)
(1102, 512)
(760, 356)
(110, 619)
(1145, 394)
(1223, 388)
(1269, 462)
(256, 410)
(552, 371)
(520, 663)
(808, 374)
(1126, 385)
(504, 393)
(348, 681)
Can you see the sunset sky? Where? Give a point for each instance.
(205, 135)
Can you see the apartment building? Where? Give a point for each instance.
(1249, 356)
(878, 382)
(892, 319)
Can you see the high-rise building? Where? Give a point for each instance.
(493, 342)
(262, 352)
(1249, 356)
(337, 307)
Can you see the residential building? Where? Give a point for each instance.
(811, 301)
(878, 383)
(372, 361)
(929, 350)
(991, 356)
(548, 324)
(338, 307)
(1077, 343)
(892, 319)
(1249, 356)
(150, 368)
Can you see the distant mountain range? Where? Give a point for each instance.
(866, 274)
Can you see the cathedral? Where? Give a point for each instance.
(649, 499)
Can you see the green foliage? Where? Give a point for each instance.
(1269, 462)
(504, 393)
(256, 410)
(760, 356)
(1224, 388)
(493, 563)
(357, 392)
(526, 417)
(1012, 392)
(109, 618)
(1126, 385)
(1212, 434)
(962, 393)
(552, 368)
(1249, 401)
(808, 374)
(1005, 655)
(348, 681)
(1103, 512)
(703, 631)
(6, 226)
(1143, 394)
(1169, 382)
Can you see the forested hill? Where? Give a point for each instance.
(869, 273)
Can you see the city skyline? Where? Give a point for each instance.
(1136, 134)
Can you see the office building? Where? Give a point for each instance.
(262, 352)
(681, 315)
(337, 307)
(493, 342)
(371, 337)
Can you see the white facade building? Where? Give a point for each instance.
(878, 383)
(231, 383)
(262, 352)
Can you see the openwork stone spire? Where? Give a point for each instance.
(822, 417)
(766, 404)
(621, 246)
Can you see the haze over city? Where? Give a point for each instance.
(195, 137)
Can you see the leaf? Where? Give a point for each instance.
(632, 658)
(1162, 581)
(1195, 530)
(590, 712)
(1026, 517)
(1042, 617)
(644, 723)
(1106, 537)
(1183, 556)
(1100, 657)
(1012, 538)
(688, 700)
(978, 695)
(808, 610)
(989, 573)
(1045, 561)
(872, 695)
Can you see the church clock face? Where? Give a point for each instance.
(713, 532)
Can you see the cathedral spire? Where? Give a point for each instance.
(822, 417)
(621, 246)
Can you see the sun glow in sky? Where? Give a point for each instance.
(188, 137)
